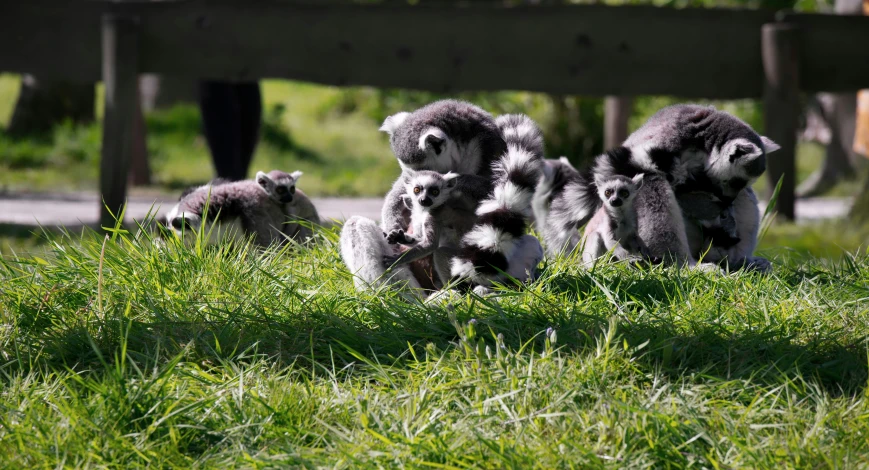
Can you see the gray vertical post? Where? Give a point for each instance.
(781, 66)
(616, 112)
(121, 82)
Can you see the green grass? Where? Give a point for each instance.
(128, 353)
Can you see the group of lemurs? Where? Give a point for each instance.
(677, 192)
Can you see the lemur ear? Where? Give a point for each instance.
(408, 201)
(296, 175)
(393, 122)
(638, 179)
(768, 145)
(434, 139)
(451, 179)
(263, 179)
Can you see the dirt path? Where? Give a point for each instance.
(81, 208)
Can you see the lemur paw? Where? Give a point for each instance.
(395, 236)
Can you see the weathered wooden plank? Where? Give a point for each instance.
(781, 63)
(51, 40)
(833, 51)
(120, 54)
(592, 50)
(583, 49)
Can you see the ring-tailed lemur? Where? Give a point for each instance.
(281, 188)
(437, 226)
(732, 157)
(237, 208)
(443, 136)
(613, 228)
(699, 150)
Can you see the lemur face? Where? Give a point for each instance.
(619, 191)
(279, 186)
(429, 189)
(738, 164)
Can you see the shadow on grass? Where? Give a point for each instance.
(764, 354)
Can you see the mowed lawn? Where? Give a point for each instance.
(127, 353)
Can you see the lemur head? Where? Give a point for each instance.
(429, 189)
(618, 191)
(443, 135)
(737, 163)
(280, 186)
(416, 145)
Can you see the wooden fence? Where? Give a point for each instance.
(565, 49)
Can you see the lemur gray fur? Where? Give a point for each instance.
(281, 188)
(709, 159)
(613, 228)
(234, 208)
(443, 136)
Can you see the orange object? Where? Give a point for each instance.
(861, 134)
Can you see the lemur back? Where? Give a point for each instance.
(235, 207)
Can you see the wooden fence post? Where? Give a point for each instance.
(616, 112)
(120, 43)
(781, 66)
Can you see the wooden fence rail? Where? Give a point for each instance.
(564, 49)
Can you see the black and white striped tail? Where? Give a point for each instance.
(503, 217)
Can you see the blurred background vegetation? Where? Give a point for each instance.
(331, 134)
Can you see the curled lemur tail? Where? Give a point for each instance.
(503, 216)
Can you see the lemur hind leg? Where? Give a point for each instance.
(362, 249)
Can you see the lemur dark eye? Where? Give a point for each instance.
(608, 193)
(292, 190)
(435, 191)
(623, 193)
(281, 190)
(416, 190)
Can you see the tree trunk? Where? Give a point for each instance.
(162, 91)
(860, 210)
(839, 110)
(617, 111)
(42, 105)
(140, 168)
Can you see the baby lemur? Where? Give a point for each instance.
(437, 222)
(613, 228)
